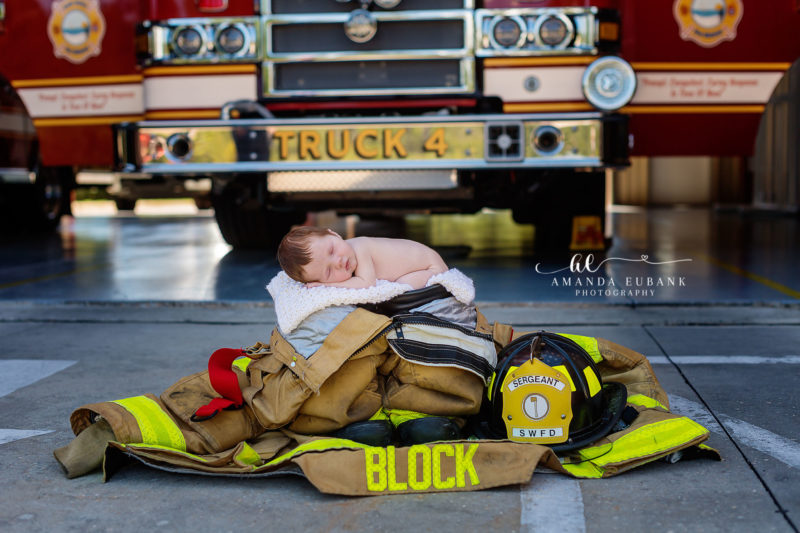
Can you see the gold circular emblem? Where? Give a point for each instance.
(535, 406)
(76, 29)
(708, 22)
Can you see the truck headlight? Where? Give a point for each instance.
(554, 30)
(230, 39)
(189, 41)
(508, 32)
(609, 83)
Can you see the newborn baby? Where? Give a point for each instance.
(320, 257)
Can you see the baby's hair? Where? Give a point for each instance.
(294, 251)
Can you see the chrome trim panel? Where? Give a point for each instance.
(467, 68)
(161, 36)
(584, 22)
(17, 175)
(362, 120)
(464, 53)
(466, 164)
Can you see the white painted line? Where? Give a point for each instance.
(10, 435)
(18, 373)
(552, 502)
(785, 450)
(726, 359)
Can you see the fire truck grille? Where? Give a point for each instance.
(366, 75)
(418, 47)
(391, 35)
(282, 7)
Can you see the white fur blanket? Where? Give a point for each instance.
(294, 301)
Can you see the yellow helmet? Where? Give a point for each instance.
(547, 390)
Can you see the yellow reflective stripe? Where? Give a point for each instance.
(494, 375)
(318, 445)
(563, 370)
(155, 425)
(398, 416)
(242, 363)
(591, 378)
(584, 469)
(645, 401)
(652, 439)
(380, 414)
(587, 343)
(247, 456)
(144, 446)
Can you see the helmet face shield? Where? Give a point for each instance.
(547, 390)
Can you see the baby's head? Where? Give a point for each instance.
(309, 254)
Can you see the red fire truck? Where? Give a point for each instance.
(367, 107)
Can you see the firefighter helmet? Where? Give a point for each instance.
(547, 390)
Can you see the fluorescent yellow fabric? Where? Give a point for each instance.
(563, 370)
(650, 440)
(145, 446)
(398, 416)
(317, 445)
(587, 343)
(591, 379)
(247, 456)
(242, 363)
(645, 401)
(155, 425)
(380, 414)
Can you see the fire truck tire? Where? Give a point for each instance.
(244, 218)
(125, 204)
(555, 202)
(38, 207)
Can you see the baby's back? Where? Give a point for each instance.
(394, 258)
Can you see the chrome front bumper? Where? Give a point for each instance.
(467, 142)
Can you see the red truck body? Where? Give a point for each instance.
(78, 73)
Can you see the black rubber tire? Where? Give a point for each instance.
(244, 218)
(125, 204)
(39, 206)
(559, 197)
(203, 202)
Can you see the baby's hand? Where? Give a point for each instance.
(312, 284)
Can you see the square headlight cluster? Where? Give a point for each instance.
(508, 32)
(199, 41)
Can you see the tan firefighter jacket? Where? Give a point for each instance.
(357, 370)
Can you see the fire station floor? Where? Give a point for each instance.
(118, 306)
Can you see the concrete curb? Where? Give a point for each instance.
(530, 313)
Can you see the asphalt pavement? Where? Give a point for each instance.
(732, 367)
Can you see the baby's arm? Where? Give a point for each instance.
(419, 278)
(364, 275)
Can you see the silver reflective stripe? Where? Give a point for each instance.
(442, 346)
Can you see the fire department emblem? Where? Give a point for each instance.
(76, 29)
(708, 22)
